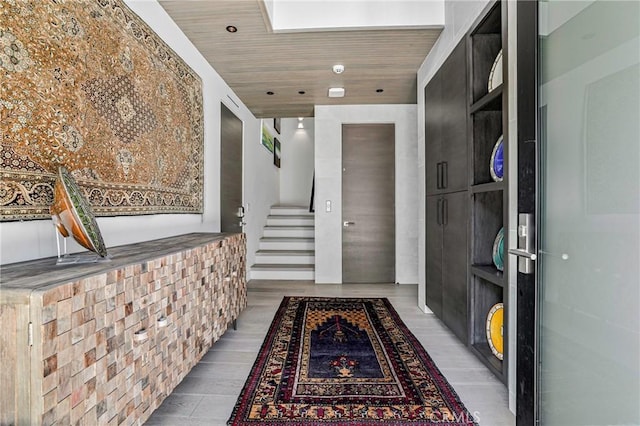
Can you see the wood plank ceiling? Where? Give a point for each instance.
(255, 60)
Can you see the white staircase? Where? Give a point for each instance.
(287, 248)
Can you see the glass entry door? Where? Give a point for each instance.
(588, 301)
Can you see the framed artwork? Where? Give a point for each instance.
(276, 152)
(276, 125)
(267, 138)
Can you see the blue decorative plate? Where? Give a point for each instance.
(496, 166)
(498, 250)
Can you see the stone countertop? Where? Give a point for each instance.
(38, 274)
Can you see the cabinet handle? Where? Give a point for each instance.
(445, 172)
(439, 176)
(141, 335)
(445, 211)
(162, 321)
(439, 212)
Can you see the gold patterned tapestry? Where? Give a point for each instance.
(88, 85)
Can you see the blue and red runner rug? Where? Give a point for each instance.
(344, 361)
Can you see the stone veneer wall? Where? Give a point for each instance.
(94, 368)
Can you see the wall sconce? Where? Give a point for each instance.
(300, 124)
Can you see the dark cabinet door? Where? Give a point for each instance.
(454, 263)
(454, 117)
(230, 170)
(433, 133)
(434, 255)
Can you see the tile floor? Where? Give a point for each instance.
(208, 394)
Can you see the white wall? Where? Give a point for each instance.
(296, 172)
(36, 239)
(328, 166)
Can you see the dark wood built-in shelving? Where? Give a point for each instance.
(487, 121)
(447, 196)
(489, 273)
(484, 353)
(487, 187)
(492, 101)
(465, 207)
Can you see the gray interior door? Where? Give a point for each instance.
(230, 170)
(368, 203)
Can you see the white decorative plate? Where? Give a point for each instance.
(495, 76)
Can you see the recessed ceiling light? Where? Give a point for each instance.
(379, 90)
(269, 93)
(338, 68)
(336, 92)
(301, 92)
(232, 29)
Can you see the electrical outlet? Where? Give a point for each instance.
(327, 206)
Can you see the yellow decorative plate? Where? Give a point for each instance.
(495, 330)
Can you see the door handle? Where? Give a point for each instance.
(439, 212)
(522, 253)
(444, 180)
(439, 175)
(445, 211)
(526, 244)
(347, 223)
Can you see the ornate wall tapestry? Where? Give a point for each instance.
(88, 85)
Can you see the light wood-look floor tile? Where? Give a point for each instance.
(208, 394)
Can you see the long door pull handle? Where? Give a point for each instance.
(439, 212)
(445, 211)
(445, 178)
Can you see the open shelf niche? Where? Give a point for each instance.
(488, 210)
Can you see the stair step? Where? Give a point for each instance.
(290, 210)
(282, 272)
(276, 243)
(290, 220)
(289, 231)
(286, 256)
(287, 248)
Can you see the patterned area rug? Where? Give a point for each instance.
(88, 85)
(344, 362)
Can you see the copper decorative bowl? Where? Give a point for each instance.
(72, 214)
